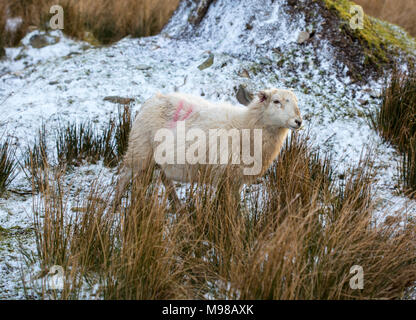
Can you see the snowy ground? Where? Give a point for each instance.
(68, 80)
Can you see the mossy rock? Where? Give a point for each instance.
(381, 40)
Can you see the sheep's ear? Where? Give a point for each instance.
(263, 96)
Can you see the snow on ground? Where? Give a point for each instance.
(68, 80)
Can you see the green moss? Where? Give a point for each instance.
(380, 39)
(255, 69)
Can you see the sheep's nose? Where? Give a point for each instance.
(298, 122)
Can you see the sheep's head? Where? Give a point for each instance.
(280, 108)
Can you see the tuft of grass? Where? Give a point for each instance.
(395, 121)
(408, 168)
(295, 235)
(37, 154)
(76, 143)
(132, 254)
(2, 29)
(114, 140)
(124, 125)
(36, 159)
(8, 165)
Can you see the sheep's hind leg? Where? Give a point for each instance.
(170, 189)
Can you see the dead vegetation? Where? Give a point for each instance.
(76, 144)
(108, 21)
(294, 236)
(8, 164)
(396, 122)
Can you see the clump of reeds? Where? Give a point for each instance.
(396, 121)
(36, 159)
(8, 164)
(295, 235)
(107, 21)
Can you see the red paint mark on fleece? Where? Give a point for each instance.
(187, 114)
(178, 110)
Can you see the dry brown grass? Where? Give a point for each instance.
(295, 236)
(395, 121)
(8, 164)
(107, 20)
(400, 12)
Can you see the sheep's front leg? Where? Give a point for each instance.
(237, 194)
(124, 179)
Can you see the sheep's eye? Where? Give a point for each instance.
(276, 102)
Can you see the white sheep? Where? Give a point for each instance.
(272, 113)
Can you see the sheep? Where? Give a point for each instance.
(272, 113)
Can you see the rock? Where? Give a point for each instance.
(277, 50)
(17, 73)
(363, 102)
(249, 26)
(244, 74)
(243, 95)
(207, 63)
(32, 28)
(143, 67)
(303, 37)
(375, 94)
(85, 47)
(73, 53)
(38, 41)
(119, 100)
(265, 60)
